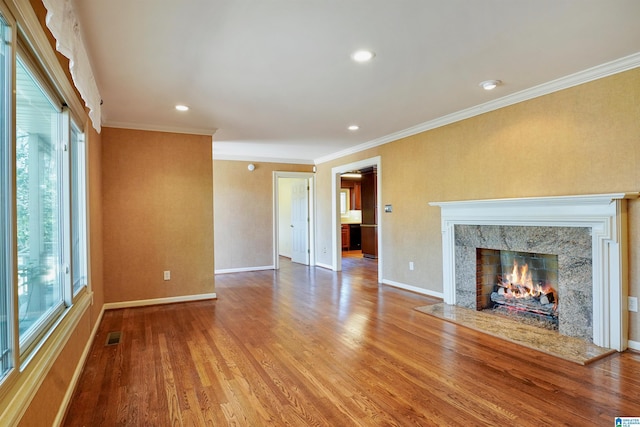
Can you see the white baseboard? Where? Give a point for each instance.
(244, 269)
(634, 345)
(156, 301)
(415, 289)
(327, 266)
(76, 374)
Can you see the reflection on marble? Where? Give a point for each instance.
(551, 342)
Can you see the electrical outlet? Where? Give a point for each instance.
(167, 275)
(411, 265)
(632, 304)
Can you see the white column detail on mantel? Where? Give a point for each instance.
(605, 214)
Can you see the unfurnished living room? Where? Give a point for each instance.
(319, 212)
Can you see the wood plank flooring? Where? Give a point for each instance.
(310, 347)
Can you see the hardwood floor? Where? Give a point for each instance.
(306, 346)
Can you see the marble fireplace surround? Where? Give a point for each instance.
(605, 215)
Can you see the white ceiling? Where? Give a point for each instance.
(276, 80)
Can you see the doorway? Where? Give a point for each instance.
(293, 230)
(373, 163)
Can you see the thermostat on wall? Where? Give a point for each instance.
(388, 208)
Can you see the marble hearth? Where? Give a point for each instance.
(587, 233)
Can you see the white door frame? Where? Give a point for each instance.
(311, 177)
(335, 208)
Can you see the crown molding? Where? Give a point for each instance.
(170, 129)
(249, 158)
(607, 69)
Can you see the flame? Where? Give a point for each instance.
(519, 284)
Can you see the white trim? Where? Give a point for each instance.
(78, 371)
(323, 265)
(311, 182)
(159, 128)
(634, 345)
(32, 376)
(605, 214)
(415, 289)
(251, 158)
(585, 76)
(245, 269)
(336, 235)
(158, 301)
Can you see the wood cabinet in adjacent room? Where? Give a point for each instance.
(369, 227)
(354, 237)
(346, 241)
(351, 240)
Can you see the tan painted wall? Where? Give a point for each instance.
(582, 140)
(157, 213)
(243, 214)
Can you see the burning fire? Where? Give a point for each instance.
(518, 284)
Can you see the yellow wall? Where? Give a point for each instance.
(243, 215)
(582, 140)
(157, 213)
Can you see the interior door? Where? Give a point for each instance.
(300, 222)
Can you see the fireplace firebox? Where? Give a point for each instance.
(519, 285)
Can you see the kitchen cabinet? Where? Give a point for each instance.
(369, 234)
(346, 241)
(369, 227)
(354, 237)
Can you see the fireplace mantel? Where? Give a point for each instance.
(604, 214)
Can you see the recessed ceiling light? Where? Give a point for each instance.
(353, 127)
(490, 84)
(181, 107)
(362, 55)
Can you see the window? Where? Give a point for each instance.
(43, 202)
(6, 288)
(39, 206)
(78, 210)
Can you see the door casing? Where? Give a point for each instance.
(310, 177)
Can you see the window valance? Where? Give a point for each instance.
(63, 23)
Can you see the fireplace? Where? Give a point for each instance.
(587, 234)
(519, 285)
(565, 250)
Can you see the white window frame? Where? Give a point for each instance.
(35, 335)
(29, 42)
(81, 217)
(7, 264)
(28, 368)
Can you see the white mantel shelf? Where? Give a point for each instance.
(605, 214)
